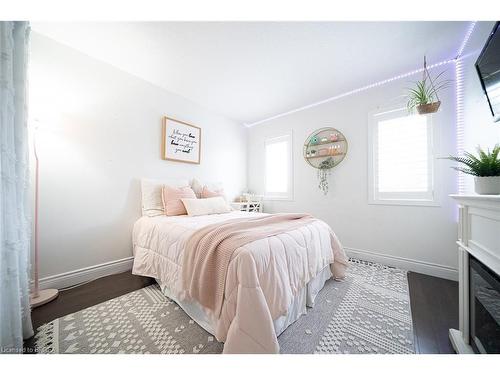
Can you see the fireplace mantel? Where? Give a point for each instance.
(479, 236)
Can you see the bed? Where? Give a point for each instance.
(269, 282)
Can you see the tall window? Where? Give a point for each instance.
(278, 173)
(401, 166)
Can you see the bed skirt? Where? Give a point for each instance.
(298, 307)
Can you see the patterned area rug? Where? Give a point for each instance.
(368, 312)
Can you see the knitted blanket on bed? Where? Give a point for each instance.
(209, 250)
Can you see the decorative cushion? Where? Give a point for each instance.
(197, 186)
(172, 199)
(208, 193)
(152, 201)
(206, 206)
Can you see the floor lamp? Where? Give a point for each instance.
(38, 297)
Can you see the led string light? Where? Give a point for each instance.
(383, 82)
(466, 39)
(348, 93)
(459, 103)
(460, 122)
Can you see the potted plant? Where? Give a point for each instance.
(424, 96)
(485, 168)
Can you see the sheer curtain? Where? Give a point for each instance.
(15, 210)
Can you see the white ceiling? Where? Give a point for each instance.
(248, 71)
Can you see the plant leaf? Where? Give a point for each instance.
(487, 164)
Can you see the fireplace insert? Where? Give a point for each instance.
(484, 308)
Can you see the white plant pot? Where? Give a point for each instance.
(487, 185)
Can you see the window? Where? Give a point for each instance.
(278, 167)
(401, 162)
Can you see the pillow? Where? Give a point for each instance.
(207, 206)
(208, 193)
(152, 201)
(172, 199)
(197, 186)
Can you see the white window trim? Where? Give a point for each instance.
(404, 199)
(288, 196)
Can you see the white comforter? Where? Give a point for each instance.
(282, 266)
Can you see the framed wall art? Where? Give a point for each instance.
(181, 141)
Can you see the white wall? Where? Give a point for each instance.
(101, 132)
(479, 128)
(425, 235)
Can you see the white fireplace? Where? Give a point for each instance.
(479, 268)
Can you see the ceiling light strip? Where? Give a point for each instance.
(466, 39)
(348, 93)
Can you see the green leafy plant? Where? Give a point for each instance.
(486, 164)
(426, 91)
(324, 169)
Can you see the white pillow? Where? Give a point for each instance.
(197, 187)
(207, 206)
(152, 203)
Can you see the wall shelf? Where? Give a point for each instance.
(336, 149)
(324, 156)
(326, 143)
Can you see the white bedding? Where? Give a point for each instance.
(158, 249)
(165, 236)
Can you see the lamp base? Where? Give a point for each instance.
(44, 296)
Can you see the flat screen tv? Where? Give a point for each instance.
(488, 68)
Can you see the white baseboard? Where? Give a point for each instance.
(66, 279)
(82, 275)
(419, 266)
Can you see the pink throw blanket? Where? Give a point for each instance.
(209, 251)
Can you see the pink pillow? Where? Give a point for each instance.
(207, 193)
(172, 203)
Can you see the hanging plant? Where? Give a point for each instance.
(324, 170)
(424, 96)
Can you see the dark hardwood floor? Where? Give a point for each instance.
(434, 307)
(434, 304)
